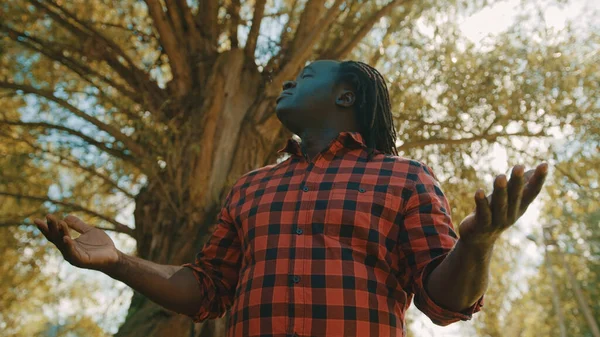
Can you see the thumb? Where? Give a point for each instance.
(77, 224)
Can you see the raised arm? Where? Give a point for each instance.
(202, 289)
(172, 287)
(447, 275)
(462, 278)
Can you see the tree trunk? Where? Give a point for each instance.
(228, 131)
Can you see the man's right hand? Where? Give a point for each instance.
(93, 249)
(171, 286)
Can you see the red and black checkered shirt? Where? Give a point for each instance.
(336, 246)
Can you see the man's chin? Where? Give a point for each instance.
(285, 116)
(283, 112)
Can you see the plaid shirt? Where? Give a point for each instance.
(334, 247)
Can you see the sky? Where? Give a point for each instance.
(478, 28)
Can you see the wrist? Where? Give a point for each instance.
(112, 267)
(479, 247)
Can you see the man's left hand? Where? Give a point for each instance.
(500, 210)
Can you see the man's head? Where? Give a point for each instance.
(344, 96)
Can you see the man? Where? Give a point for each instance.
(334, 241)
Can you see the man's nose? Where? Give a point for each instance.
(289, 85)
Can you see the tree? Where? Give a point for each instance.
(575, 231)
(574, 221)
(165, 103)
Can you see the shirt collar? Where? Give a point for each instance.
(344, 140)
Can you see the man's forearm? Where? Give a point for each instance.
(462, 278)
(172, 287)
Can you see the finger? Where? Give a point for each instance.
(515, 191)
(77, 224)
(63, 229)
(52, 225)
(534, 186)
(42, 226)
(483, 212)
(55, 232)
(527, 176)
(499, 202)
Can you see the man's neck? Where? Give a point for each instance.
(316, 140)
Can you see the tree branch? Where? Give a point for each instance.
(194, 38)
(275, 62)
(93, 171)
(174, 47)
(303, 46)
(7, 222)
(129, 143)
(259, 11)
(81, 28)
(443, 141)
(48, 49)
(76, 164)
(120, 27)
(104, 97)
(568, 175)
(344, 49)
(234, 12)
(175, 19)
(100, 47)
(11, 224)
(207, 20)
(556, 166)
(79, 134)
(186, 13)
(313, 10)
(119, 227)
(15, 223)
(386, 38)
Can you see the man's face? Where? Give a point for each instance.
(310, 100)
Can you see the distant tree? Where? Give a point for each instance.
(570, 203)
(576, 232)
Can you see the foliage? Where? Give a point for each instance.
(571, 209)
(577, 233)
(161, 105)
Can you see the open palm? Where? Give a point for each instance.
(93, 249)
(504, 206)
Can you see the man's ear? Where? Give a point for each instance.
(345, 99)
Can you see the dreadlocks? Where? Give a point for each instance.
(372, 107)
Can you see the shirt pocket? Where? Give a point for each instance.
(352, 212)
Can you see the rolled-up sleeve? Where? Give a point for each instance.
(427, 236)
(216, 268)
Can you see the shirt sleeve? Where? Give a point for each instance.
(427, 236)
(216, 268)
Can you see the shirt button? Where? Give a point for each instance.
(299, 231)
(296, 278)
(361, 190)
(305, 188)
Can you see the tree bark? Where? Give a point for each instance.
(231, 131)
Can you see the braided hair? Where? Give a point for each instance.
(372, 106)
